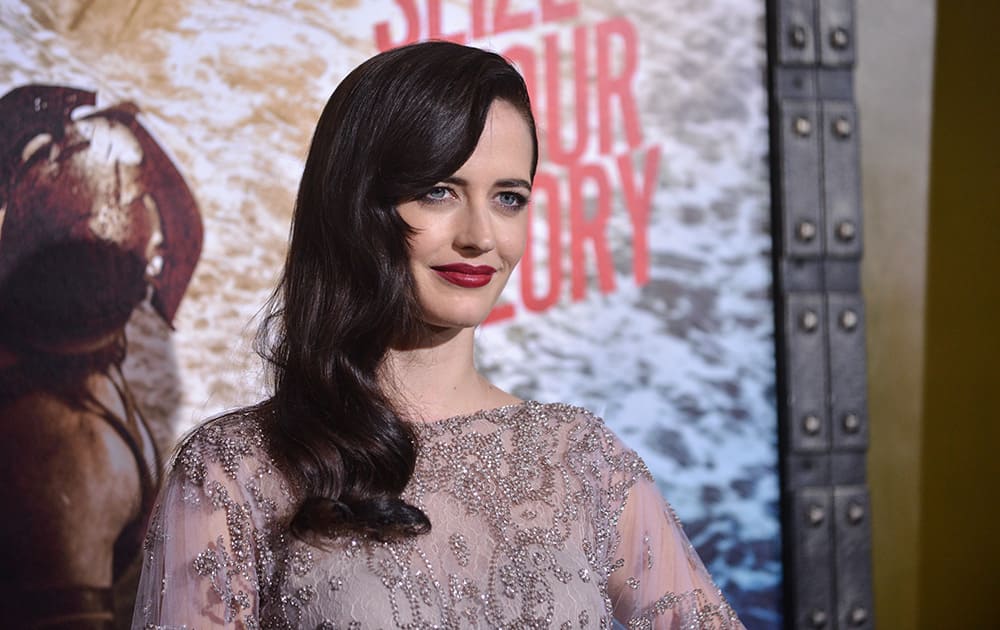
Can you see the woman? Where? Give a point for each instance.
(386, 483)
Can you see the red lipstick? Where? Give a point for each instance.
(467, 276)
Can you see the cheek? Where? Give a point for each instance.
(515, 239)
(424, 241)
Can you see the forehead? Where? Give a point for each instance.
(505, 147)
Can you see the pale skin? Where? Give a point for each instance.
(478, 217)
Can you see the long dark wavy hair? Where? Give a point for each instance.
(395, 127)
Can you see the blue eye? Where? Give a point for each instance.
(512, 199)
(438, 193)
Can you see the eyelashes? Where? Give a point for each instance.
(511, 199)
(506, 199)
(438, 194)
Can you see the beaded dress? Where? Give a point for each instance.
(541, 518)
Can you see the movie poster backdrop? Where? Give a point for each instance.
(152, 149)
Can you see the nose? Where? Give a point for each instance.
(475, 234)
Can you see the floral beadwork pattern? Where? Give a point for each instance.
(541, 518)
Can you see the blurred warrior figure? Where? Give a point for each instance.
(92, 215)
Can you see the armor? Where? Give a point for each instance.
(91, 212)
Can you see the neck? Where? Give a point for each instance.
(437, 378)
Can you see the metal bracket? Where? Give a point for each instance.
(822, 383)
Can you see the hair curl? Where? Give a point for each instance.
(395, 127)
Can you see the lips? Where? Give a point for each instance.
(466, 276)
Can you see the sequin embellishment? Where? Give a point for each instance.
(525, 503)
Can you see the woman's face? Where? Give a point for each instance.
(470, 229)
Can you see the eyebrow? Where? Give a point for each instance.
(500, 183)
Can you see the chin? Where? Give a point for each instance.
(448, 311)
(455, 320)
(467, 313)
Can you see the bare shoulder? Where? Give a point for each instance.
(71, 482)
(50, 443)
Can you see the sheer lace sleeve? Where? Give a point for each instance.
(657, 580)
(201, 560)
